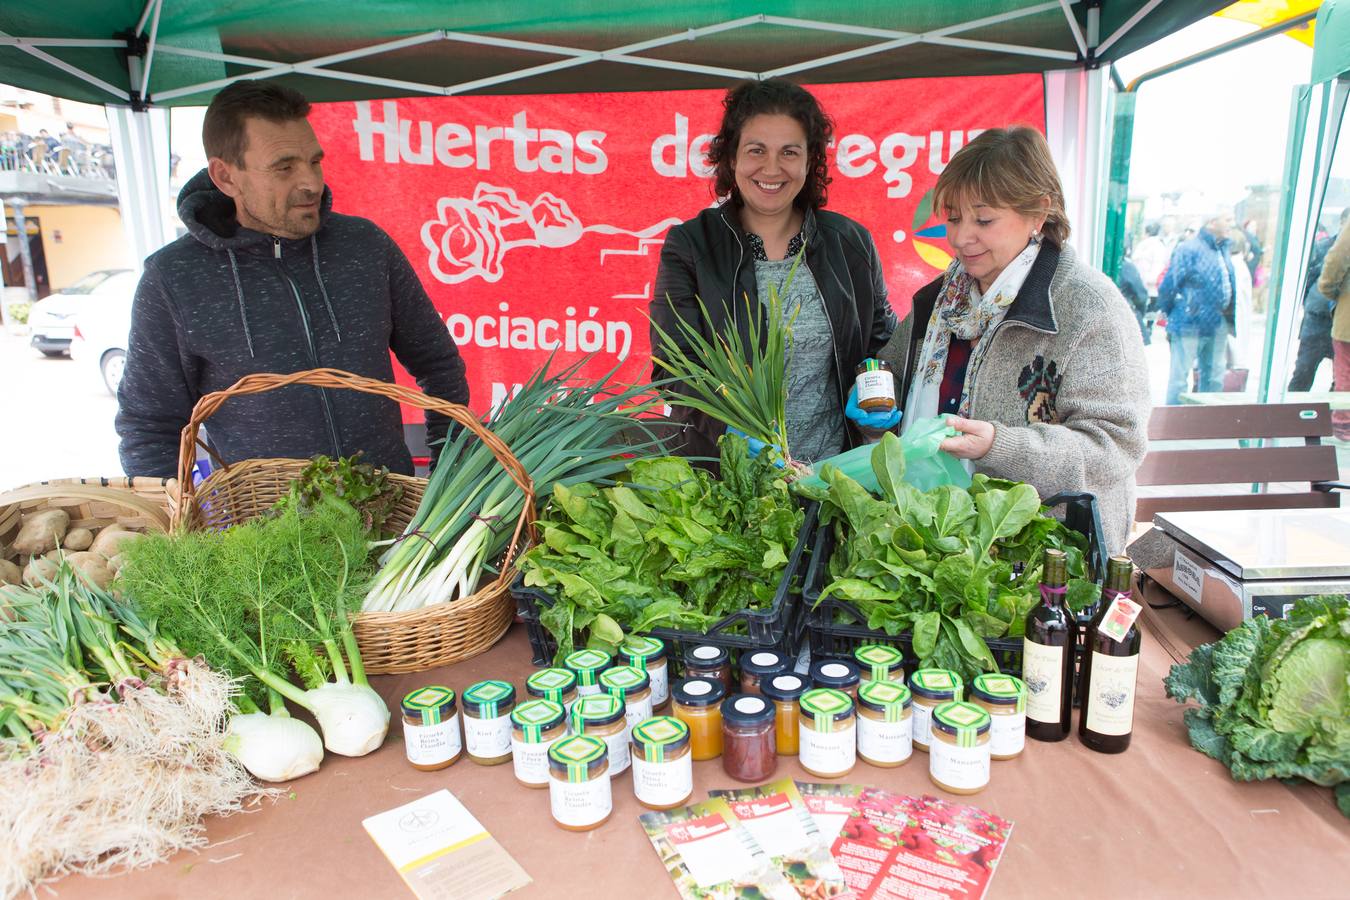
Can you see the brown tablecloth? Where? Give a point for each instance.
(1158, 821)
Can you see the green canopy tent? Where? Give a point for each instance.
(140, 57)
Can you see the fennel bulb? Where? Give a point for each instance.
(273, 747)
(354, 719)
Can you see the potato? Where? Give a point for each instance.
(91, 568)
(78, 539)
(111, 540)
(10, 573)
(115, 563)
(42, 531)
(38, 570)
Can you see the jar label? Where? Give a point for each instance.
(530, 760)
(660, 676)
(1007, 734)
(1110, 694)
(487, 738)
(428, 745)
(662, 784)
(828, 751)
(585, 690)
(582, 803)
(876, 385)
(635, 713)
(888, 742)
(923, 724)
(1043, 672)
(966, 768)
(618, 751)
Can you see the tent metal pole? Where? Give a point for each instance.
(150, 50)
(690, 35)
(20, 44)
(145, 16)
(1259, 35)
(97, 43)
(1002, 48)
(1128, 25)
(836, 28)
(1073, 27)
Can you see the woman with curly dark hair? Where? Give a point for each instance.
(771, 175)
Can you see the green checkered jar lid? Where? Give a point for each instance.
(884, 696)
(640, 651)
(659, 738)
(588, 664)
(1000, 690)
(936, 684)
(489, 699)
(878, 661)
(826, 703)
(624, 681)
(433, 704)
(551, 684)
(596, 711)
(965, 721)
(537, 716)
(577, 758)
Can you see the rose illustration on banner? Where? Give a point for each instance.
(470, 236)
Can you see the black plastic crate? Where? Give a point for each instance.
(836, 627)
(779, 627)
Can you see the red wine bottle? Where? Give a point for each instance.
(1047, 654)
(1111, 664)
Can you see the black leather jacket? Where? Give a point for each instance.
(709, 257)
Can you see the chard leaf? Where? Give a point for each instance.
(888, 462)
(1003, 513)
(926, 634)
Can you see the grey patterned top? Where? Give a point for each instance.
(815, 423)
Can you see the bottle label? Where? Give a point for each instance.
(579, 804)
(874, 386)
(635, 713)
(662, 784)
(1008, 734)
(959, 767)
(1119, 618)
(487, 738)
(827, 751)
(585, 690)
(530, 760)
(923, 724)
(886, 742)
(428, 745)
(660, 676)
(1110, 695)
(1043, 672)
(618, 751)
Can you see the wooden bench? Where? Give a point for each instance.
(1312, 464)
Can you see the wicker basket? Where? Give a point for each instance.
(136, 504)
(393, 642)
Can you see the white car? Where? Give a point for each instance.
(52, 319)
(99, 332)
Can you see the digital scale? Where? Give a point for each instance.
(1231, 565)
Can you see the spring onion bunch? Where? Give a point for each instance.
(562, 430)
(740, 384)
(111, 741)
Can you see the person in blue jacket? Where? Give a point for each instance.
(1196, 296)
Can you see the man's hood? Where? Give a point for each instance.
(209, 215)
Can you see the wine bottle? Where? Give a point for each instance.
(1047, 654)
(1111, 664)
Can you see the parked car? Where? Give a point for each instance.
(99, 335)
(51, 321)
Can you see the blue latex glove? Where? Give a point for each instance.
(756, 446)
(878, 421)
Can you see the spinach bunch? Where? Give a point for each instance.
(671, 546)
(952, 565)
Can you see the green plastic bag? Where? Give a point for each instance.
(926, 467)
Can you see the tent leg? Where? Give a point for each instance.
(1077, 126)
(141, 148)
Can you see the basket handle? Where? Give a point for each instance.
(261, 383)
(127, 500)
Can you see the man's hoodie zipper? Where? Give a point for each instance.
(328, 415)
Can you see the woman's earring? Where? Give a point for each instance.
(1036, 236)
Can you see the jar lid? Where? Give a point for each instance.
(551, 684)
(587, 664)
(433, 704)
(536, 717)
(834, 673)
(660, 737)
(573, 756)
(486, 698)
(624, 680)
(764, 662)
(873, 365)
(878, 660)
(640, 650)
(826, 706)
(783, 687)
(596, 710)
(935, 684)
(706, 655)
(698, 692)
(999, 689)
(748, 710)
(964, 720)
(887, 697)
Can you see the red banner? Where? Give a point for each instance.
(536, 222)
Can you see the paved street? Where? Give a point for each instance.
(58, 418)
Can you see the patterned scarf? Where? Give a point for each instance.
(961, 311)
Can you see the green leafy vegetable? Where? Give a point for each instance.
(671, 547)
(1274, 697)
(953, 566)
(367, 488)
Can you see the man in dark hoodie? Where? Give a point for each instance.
(269, 279)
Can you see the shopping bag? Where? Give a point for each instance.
(926, 467)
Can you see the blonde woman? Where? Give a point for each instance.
(1034, 357)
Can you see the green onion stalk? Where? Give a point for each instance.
(738, 383)
(561, 431)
